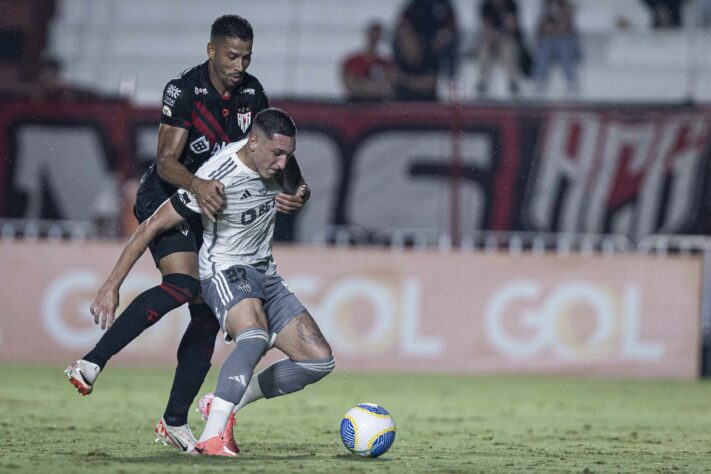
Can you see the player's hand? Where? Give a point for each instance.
(104, 305)
(289, 204)
(210, 195)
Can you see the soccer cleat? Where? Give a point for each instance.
(220, 445)
(82, 374)
(230, 441)
(204, 405)
(177, 436)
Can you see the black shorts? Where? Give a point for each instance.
(185, 237)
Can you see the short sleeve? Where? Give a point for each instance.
(177, 105)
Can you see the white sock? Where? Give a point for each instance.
(251, 394)
(219, 414)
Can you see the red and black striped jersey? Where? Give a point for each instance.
(190, 101)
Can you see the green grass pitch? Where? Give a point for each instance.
(444, 424)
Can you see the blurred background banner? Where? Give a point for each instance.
(630, 171)
(401, 311)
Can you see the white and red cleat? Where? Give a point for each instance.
(204, 405)
(82, 374)
(177, 436)
(220, 445)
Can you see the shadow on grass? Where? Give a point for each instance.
(175, 457)
(354, 458)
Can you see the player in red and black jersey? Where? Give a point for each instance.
(212, 118)
(205, 108)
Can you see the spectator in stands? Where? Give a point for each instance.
(500, 37)
(665, 13)
(424, 43)
(367, 74)
(557, 40)
(703, 10)
(416, 71)
(435, 22)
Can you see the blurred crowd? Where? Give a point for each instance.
(425, 45)
(416, 56)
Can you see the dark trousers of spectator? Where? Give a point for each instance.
(564, 50)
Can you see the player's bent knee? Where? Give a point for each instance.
(182, 288)
(315, 370)
(321, 352)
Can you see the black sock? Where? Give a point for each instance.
(148, 307)
(194, 354)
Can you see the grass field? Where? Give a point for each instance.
(444, 424)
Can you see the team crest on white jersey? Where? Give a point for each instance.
(244, 119)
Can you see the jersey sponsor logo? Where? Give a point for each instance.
(218, 146)
(167, 111)
(244, 287)
(244, 119)
(168, 100)
(173, 91)
(245, 195)
(248, 90)
(201, 145)
(251, 215)
(200, 90)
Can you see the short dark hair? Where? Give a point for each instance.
(275, 121)
(231, 25)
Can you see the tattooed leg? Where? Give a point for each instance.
(302, 339)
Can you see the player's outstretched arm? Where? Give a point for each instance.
(210, 194)
(107, 299)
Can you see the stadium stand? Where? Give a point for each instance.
(23, 27)
(300, 49)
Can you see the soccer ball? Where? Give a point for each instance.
(368, 430)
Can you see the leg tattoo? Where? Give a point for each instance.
(308, 331)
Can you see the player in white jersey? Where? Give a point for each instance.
(244, 235)
(239, 279)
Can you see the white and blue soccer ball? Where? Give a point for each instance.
(368, 430)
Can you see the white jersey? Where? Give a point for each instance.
(243, 232)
